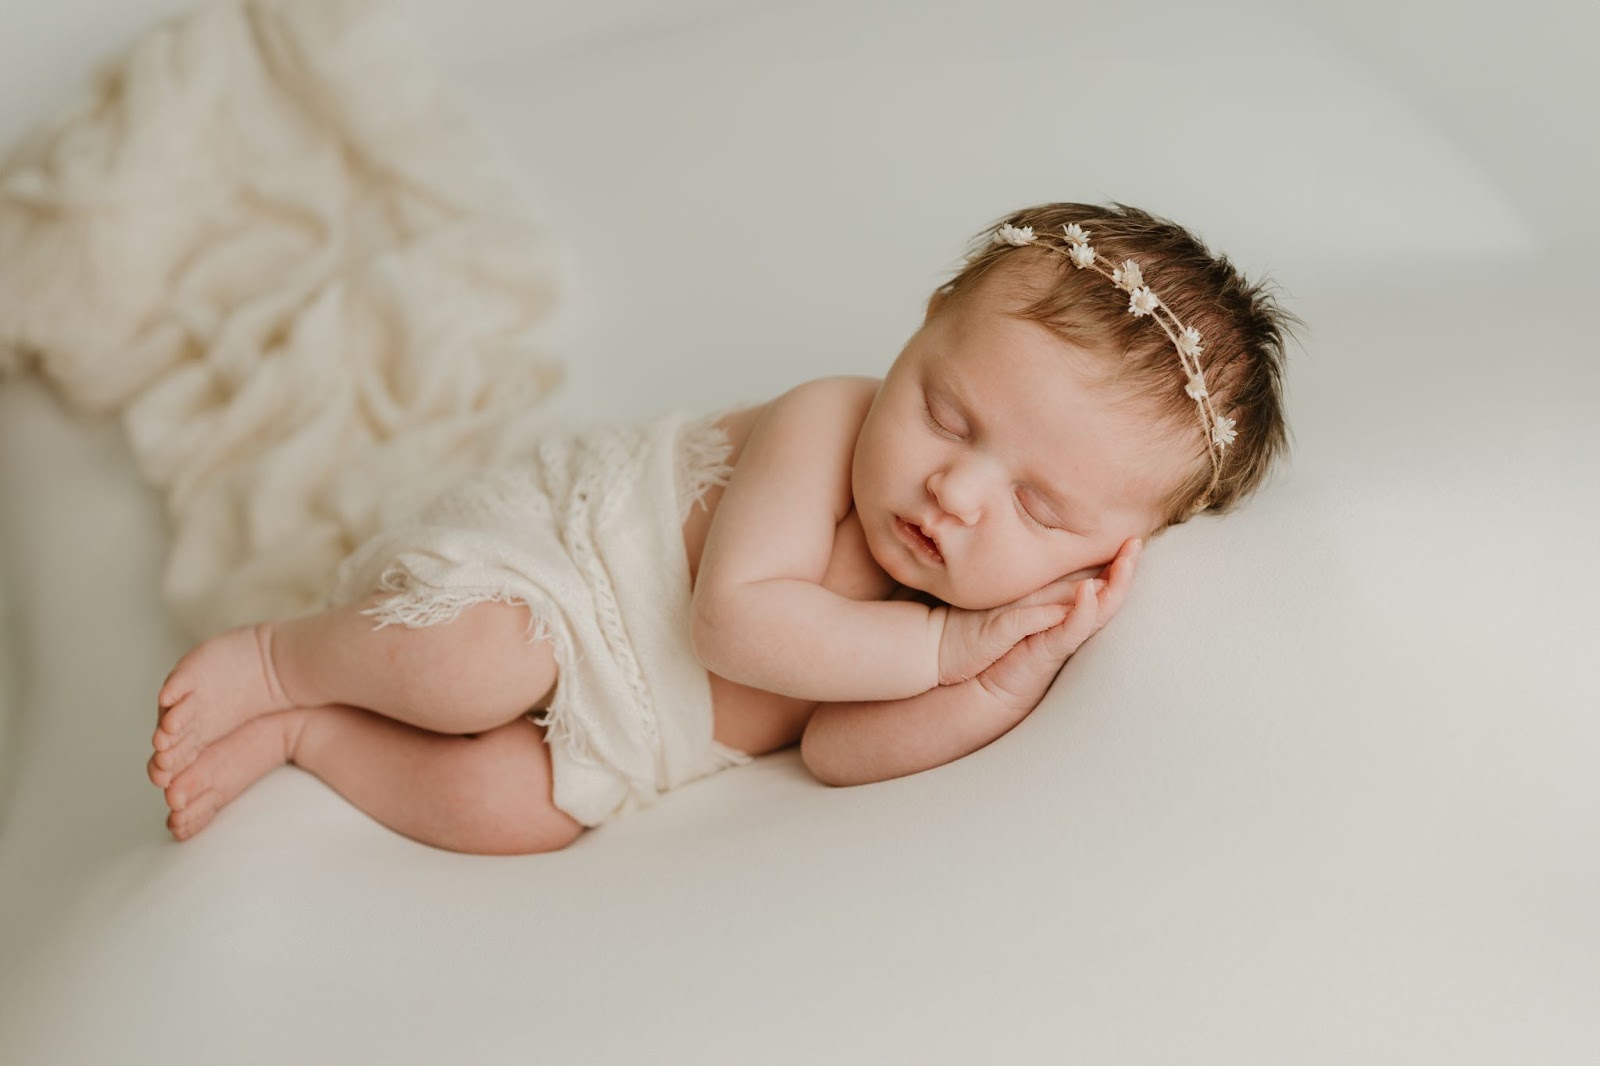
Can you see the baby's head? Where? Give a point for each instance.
(1034, 424)
(1241, 326)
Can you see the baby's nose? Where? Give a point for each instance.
(958, 496)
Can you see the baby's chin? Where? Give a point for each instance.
(935, 595)
(967, 603)
(936, 592)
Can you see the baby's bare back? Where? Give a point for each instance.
(749, 719)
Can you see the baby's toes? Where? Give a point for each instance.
(166, 765)
(159, 776)
(195, 817)
(187, 787)
(174, 724)
(178, 758)
(180, 682)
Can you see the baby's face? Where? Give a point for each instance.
(988, 466)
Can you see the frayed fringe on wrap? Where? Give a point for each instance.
(702, 463)
(417, 607)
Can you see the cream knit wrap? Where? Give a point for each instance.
(589, 535)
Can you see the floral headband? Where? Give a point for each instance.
(1141, 302)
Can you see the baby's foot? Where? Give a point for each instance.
(226, 768)
(217, 687)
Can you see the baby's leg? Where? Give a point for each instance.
(465, 676)
(486, 795)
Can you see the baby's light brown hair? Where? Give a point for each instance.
(1243, 326)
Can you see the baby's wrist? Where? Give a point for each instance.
(937, 617)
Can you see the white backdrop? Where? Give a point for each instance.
(1354, 820)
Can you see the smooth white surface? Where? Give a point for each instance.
(1324, 794)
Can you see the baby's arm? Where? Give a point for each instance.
(856, 743)
(761, 616)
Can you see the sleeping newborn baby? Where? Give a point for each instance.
(889, 572)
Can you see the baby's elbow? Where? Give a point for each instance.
(814, 755)
(810, 756)
(710, 631)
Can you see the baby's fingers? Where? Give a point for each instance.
(1086, 615)
(1120, 579)
(1058, 591)
(1024, 622)
(1079, 626)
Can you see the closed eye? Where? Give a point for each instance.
(938, 424)
(1036, 520)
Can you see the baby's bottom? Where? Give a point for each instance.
(421, 728)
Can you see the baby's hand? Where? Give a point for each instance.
(971, 640)
(1020, 677)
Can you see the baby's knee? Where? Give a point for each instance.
(520, 837)
(523, 833)
(480, 670)
(494, 629)
(511, 795)
(553, 838)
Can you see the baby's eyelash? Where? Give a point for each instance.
(1031, 517)
(1023, 507)
(936, 424)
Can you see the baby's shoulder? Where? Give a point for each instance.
(842, 398)
(813, 426)
(803, 420)
(825, 413)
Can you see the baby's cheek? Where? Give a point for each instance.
(853, 572)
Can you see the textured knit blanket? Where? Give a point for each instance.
(273, 244)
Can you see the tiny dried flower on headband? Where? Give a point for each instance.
(1142, 301)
